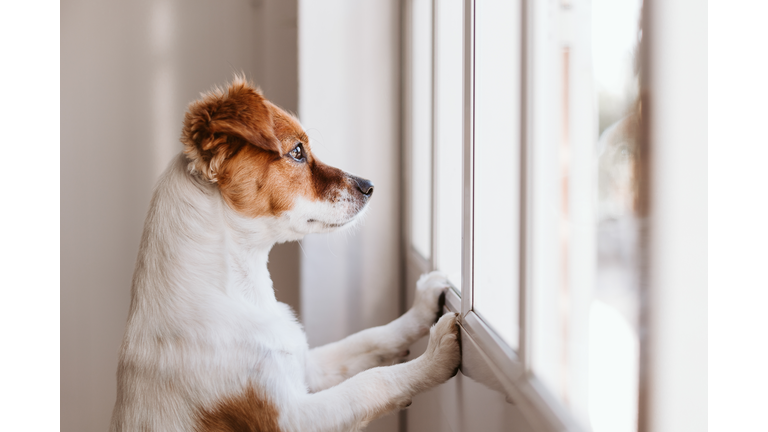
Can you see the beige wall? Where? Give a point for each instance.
(128, 70)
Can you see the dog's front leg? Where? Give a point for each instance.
(331, 364)
(352, 404)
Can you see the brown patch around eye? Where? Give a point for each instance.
(248, 411)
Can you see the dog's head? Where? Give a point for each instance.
(262, 161)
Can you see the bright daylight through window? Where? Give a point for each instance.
(448, 136)
(613, 316)
(497, 166)
(554, 121)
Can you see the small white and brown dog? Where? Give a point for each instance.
(207, 347)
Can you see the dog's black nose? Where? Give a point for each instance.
(365, 186)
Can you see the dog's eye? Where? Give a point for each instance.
(298, 153)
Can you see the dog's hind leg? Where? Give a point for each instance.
(331, 364)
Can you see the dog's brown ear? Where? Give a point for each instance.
(222, 121)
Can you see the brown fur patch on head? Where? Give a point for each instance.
(258, 183)
(246, 412)
(243, 142)
(219, 124)
(287, 129)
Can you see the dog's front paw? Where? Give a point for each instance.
(428, 290)
(443, 354)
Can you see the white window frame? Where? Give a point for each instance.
(672, 379)
(486, 358)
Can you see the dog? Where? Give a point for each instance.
(207, 347)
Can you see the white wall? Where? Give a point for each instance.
(128, 70)
(349, 104)
(677, 254)
(349, 107)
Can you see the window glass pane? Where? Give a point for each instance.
(585, 224)
(497, 165)
(448, 136)
(615, 304)
(544, 84)
(421, 127)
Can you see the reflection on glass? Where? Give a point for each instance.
(585, 278)
(613, 313)
(497, 162)
(421, 128)
(448, 136)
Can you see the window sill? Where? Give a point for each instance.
(487, 359)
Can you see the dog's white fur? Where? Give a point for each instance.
(204, 323)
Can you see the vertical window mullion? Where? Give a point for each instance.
(526, 184)
(467, 246)
(433, 124)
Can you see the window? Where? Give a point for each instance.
(448, 119)
(497, 182)
(522, 117)
(421, 130)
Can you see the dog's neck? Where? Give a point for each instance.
(194, 243)
(247, 244)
